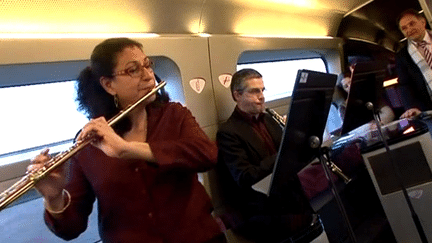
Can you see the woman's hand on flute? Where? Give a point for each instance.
(103, 137)
(51, 186)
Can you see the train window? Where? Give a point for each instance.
(279, 76)
(168, 71)
(41, 115)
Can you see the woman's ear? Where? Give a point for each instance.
(106, 83)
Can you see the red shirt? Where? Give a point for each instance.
(138, 202)
(259, 127)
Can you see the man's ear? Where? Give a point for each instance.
(106, 83)
(423, 21)
(236, 95)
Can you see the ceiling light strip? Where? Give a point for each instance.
(73, 35)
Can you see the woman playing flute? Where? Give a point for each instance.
(142, 171)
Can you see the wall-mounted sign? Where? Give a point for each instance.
(197, 84)
(225, 79)
(416, 194)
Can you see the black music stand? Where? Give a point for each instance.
(366, 86)
(302, 138)
(307, 117)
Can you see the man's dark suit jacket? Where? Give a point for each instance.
(411, 82)
(242, 162)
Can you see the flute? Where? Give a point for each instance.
(30, 179)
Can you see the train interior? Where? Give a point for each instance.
(196, 46)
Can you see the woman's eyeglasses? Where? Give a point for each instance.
(136, 69)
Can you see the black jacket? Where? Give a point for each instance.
(411, 82)
(242, 162)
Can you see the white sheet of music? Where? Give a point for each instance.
(263, 185)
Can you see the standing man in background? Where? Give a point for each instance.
(414, 63)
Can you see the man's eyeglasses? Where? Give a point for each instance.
(254, 91)
(136, 69)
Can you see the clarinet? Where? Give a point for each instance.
(278, 118)
(32, 177)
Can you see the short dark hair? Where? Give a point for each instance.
(409, 12)
(240, 77)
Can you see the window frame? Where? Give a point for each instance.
(256, 56)
(265, 76)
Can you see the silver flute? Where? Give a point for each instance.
(32, 177)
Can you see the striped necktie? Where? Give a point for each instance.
(426, 53)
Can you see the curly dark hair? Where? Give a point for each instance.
(92, 98)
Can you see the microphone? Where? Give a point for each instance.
(376, 115)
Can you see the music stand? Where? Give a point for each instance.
(307, 116)
(302, 138)
(366, 86)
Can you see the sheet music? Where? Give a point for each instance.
(263, 185)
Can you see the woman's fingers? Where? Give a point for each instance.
(39, 160)
(93, 128)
